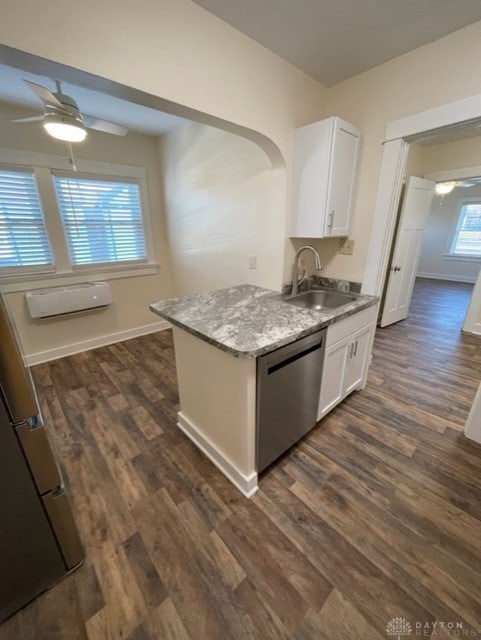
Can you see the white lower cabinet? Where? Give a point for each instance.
(346, 359)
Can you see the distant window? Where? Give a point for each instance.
(23, 237)
(102, 219)
(467, 235)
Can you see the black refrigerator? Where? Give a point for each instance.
(39, 543)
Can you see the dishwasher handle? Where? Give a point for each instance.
(296, 356)
(284, 356)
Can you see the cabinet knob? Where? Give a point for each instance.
(330, 224)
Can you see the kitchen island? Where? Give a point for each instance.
(218, 337)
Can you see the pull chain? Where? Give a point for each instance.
(71, 158)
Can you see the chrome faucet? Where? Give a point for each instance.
(295, 268)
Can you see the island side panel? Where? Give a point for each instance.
(218, 406)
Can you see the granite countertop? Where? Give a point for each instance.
(248, 321)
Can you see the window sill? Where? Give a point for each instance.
(44, 280)
(450, 256)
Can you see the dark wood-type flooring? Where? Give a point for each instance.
(375, 514)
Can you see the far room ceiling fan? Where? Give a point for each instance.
(443, 188)
(62, 118)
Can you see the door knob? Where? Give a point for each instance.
(396, 268)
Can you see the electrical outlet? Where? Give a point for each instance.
(346, 247)
(252, 262)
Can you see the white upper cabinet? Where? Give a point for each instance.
(325, 166)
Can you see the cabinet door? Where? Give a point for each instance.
(357, 354)
(332, 378)
(343, 167)
(310, 179)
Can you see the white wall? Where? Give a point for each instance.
(175, 50)
(442, 218)
(131, 296)
(179, 52)
(456, 154)
(432, 75)
(223, 201)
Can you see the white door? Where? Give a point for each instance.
(407, 249)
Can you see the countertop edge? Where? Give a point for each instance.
(254, 353)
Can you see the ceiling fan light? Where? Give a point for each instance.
(443, 188)
(65, 128)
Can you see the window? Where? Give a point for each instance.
(466, 240)
(58, 225)
(23, 237)
(102, 220)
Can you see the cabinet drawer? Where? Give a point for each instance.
(346, 327)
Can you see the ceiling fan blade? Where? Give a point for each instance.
(102, 125)
(44, 94)
(32, 119)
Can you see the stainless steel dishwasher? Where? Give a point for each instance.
(288, 385)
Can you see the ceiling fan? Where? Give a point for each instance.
(443, 188)
(62, 118)
(469, 182)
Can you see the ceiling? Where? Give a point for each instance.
(135, 117)
(332, 40)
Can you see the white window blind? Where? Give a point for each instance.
(467, 237)
(102, 219)
(23, 238)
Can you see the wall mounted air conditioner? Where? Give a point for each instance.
(45, 303)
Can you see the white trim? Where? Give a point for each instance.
(472, 429)
(385, 212)
(247, 484)
(471, 324)
(93, 343)
(445, 276)
(452, 257)
(439, 117)
(34, 159)
(391, 176)
(475, 329)
(26, 282)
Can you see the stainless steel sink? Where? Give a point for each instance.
(318, 300)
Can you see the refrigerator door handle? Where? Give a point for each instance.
(39, 456)
(63, 525)
(15, 379)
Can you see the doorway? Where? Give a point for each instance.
(447, 228)
(445, 118)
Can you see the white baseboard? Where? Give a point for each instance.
(475, 329)
(443, 276)
(93, 343)
(247, 484)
